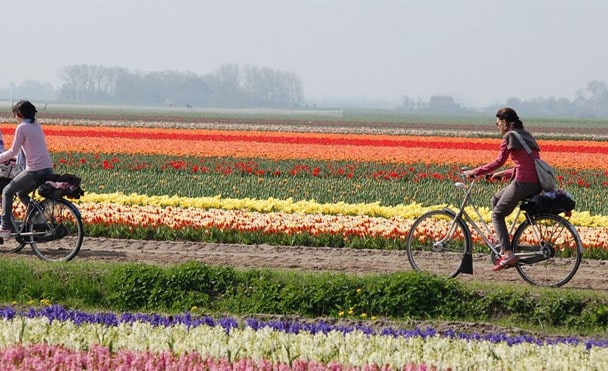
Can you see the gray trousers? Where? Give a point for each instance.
(503, 204)
(24, 183)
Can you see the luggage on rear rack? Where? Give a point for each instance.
(61, 185)
(555, 202)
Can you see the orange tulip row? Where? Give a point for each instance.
(321, 146)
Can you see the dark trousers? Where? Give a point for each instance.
(24, 183)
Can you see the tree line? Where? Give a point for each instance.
(591, 101)
(229, 86)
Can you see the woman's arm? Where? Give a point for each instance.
(505, 174)
(501, 158)
(17, 143)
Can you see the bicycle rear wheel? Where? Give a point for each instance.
(55, 231)
(555, 250)
(433, 248)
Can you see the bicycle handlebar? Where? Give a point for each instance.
(488, 177)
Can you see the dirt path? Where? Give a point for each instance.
(591, 274)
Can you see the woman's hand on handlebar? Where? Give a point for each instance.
(499, 175)
(469, 174)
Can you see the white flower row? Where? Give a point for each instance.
(350, 349)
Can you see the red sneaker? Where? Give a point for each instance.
(504, 263)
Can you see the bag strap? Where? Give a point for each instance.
(522, 141)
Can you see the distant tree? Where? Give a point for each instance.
(268, 87)
(232, 85)
(225, 85)
(228, 86)
(163, 88)
(32, 90)
(543, 106)
(89, 83)
(589, 102)
(407, 103)
(593, 100)
(98, 84)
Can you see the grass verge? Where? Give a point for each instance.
(200, 288)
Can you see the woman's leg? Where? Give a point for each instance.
(504, 203)
(24, 180)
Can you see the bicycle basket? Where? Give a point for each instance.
(549, 203)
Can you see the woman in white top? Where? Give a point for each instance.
(38, 164)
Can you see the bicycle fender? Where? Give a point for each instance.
(466, 267)
(467, 263)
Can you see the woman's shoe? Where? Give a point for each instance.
(504, 263)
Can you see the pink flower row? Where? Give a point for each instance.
(56, 357)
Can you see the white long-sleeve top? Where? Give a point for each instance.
(29, 136)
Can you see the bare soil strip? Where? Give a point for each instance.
(591, 274)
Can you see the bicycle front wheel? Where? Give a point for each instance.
(550, 250)
(14, 243)
(437, 243)
(55, 230)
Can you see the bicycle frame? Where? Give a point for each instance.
(443, 242)
(19, 225)
(482, 227)
(31, 206)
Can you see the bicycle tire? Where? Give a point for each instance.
(426, 252)
(11, 244)
(14, 243)
(56, 233)
(559, 242)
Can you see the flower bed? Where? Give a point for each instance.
(55, 337)
(327, 146)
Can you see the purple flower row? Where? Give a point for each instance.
(60, 313)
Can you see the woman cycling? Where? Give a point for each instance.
(525, 180)
(38, 164)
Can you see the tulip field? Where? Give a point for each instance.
(295, 184)
(309, 188)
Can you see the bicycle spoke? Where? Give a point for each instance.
(550, 248)
(57, 232)
(437, 243)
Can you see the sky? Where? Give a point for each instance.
(480, 52)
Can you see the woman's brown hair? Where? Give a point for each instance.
(510, 116)
(25, 109)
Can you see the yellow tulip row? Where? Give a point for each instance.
(281, 216)
(409, 211)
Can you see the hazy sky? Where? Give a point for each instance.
(479, 51)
